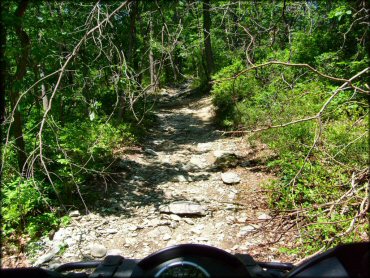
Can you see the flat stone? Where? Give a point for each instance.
(264, 216)
(133, 228)
(97, 250)
(166, 237)
(180, 178)
(246, 229)
(74, 213)
(183, 208)
(199, 161)
(61, 234)
(220, 153)
(175, 217)
(47, 257)
(111, 231)
(204, 147)
(189, 221)
(197, 229)
(151, 152)
(230, 178)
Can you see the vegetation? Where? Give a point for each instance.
(81, 79)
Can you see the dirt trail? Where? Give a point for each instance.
(182, 161)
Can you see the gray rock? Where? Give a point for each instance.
(158, 232)
(197, 229)
(151, 152)
(264, 216)
(97, 250)
(47, 257)
(184, 208)
(166, 237)
(230, 177)
(246, 229)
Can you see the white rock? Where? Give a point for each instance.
(132, 228)
(264, 216)
(199, 161)
(197, 229)
(114, 252)
(230, 177)
(74, 213)
(181, 178)
(204, 147)
(245, 230)
(70, 241)
(189, 221)
(60, 235)
(112, 231)
(175, 217)
(166, 237)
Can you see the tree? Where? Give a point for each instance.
(15, 84)
(208, 55)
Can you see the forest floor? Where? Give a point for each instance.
(171, 191)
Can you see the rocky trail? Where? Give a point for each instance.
(188, 184)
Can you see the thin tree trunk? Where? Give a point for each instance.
(153, 73)
(45, 101)
(207, 39)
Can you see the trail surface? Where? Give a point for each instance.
(187, 184)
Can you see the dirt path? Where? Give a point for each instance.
(179, 169)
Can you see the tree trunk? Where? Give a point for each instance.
(153, 73)
(132, 57)
(44, 97)
(207, 39)
(2, 73)
(14, 93)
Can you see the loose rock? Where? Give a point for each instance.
(97, 250)
(184, 208)
(151, 152)
(47, 257)
(230, 178)
(74, 213)
(264, 216)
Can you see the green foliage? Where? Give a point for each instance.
(22, 201)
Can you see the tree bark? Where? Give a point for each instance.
(14, 93)
(207, 39)
(152, 68)
(2, 72)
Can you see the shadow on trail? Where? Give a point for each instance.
(177, 133)
(140, 187)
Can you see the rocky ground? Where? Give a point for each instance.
(188, 184)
